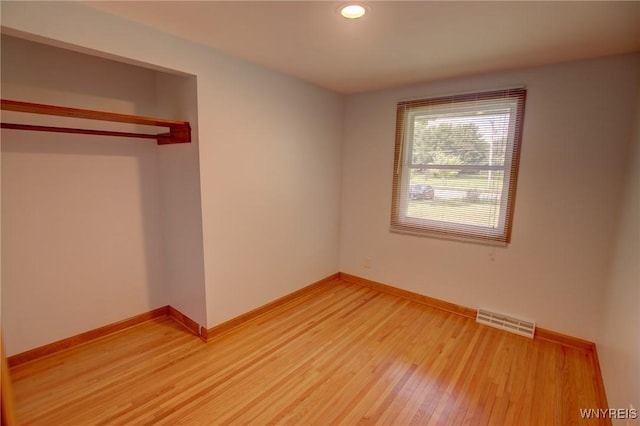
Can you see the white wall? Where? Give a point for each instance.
(82, 237)
(269, 151)
(176, 97)
(577, 122)
(619, 342)
(271, 189)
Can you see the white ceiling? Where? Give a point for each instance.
(397, 42)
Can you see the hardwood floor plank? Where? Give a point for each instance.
(338, 354)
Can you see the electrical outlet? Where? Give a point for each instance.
(367, 263)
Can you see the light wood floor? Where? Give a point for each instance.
(340, 354)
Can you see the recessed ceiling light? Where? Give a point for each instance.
(353, 10)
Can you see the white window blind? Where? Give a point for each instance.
(456, 165)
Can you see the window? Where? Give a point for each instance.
(456, 165)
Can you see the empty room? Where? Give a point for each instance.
(320, 212)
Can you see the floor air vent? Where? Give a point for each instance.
(503, 322)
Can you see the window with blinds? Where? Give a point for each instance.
(456, 165)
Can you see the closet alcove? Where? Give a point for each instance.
(95, 229)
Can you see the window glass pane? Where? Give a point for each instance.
(460, 140)
(465, 198)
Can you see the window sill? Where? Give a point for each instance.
(449, 237)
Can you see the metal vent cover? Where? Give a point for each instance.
(507, 323)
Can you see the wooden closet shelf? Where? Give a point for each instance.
(179, 131)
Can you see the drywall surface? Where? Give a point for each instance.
(619, 342)
(81, 228)
(574, 150)
(270, 188)
(269, 153)
(176, 97)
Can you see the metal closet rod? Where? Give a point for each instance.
(179, 131)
